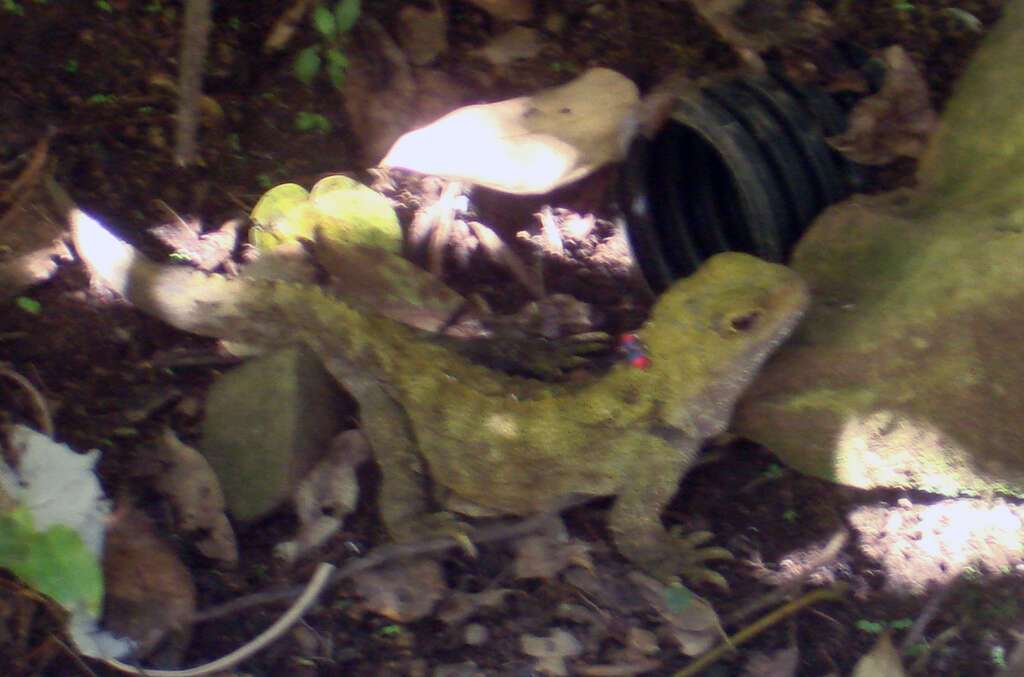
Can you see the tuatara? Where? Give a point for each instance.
(481, 437)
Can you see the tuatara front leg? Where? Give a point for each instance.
(635, 520)
(404, 497)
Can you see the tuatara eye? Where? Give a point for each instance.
(746, 321)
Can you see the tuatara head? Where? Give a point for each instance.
(709, 334)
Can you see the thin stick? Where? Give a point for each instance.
(194, 44)
(261, 641)
(831, 593)
(38, 401)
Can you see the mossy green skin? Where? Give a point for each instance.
(483, 438)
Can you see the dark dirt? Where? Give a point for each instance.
(92, 74)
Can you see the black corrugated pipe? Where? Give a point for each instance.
(740, 165)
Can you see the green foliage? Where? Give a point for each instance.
(101, 99)
(873, 627)
(307, 64)
(104, 6)
(678, 598)
(312, 122)
(998, 656)
(345, 14)
(878, 627)
(29, 305)
(326, 55)
(71, 66)
(55, 561)
(12, 7)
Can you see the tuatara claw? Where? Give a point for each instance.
(442, 524)
(682, 556)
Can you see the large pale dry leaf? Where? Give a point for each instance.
(189, 483)
(530, 144)
(62, 523)
(882, 661)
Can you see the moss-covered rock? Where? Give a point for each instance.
(908, 368)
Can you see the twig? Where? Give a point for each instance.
(261, 641)
(325, 575)
(20, 190)
(39, 402)
(374, 558)
(194, 45)
(789, 588)
(927, 615)
(834, 592)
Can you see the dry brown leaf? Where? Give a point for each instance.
(545, 555)
(782, 663)
(404, 591)
(327, 494)
(882, 661)
(552, 651)
(692, 622)
(462, 605)
(189, 483)
(150, 594)
(896, 122)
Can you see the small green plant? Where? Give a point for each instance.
(878, 627)
(101, 99)
(390, 630)
(873, 627)
(29, 305)
(312, 122)
(790, 515)
(104, 6)
(998, 656)
(331, 25)
(71, 66)
(12, 7)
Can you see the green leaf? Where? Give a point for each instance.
(678, 598)
(307, 65)
(55, 562)
(345, 14)
(312, 122)
(29, 305)
(335, 68)
(323, 21)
